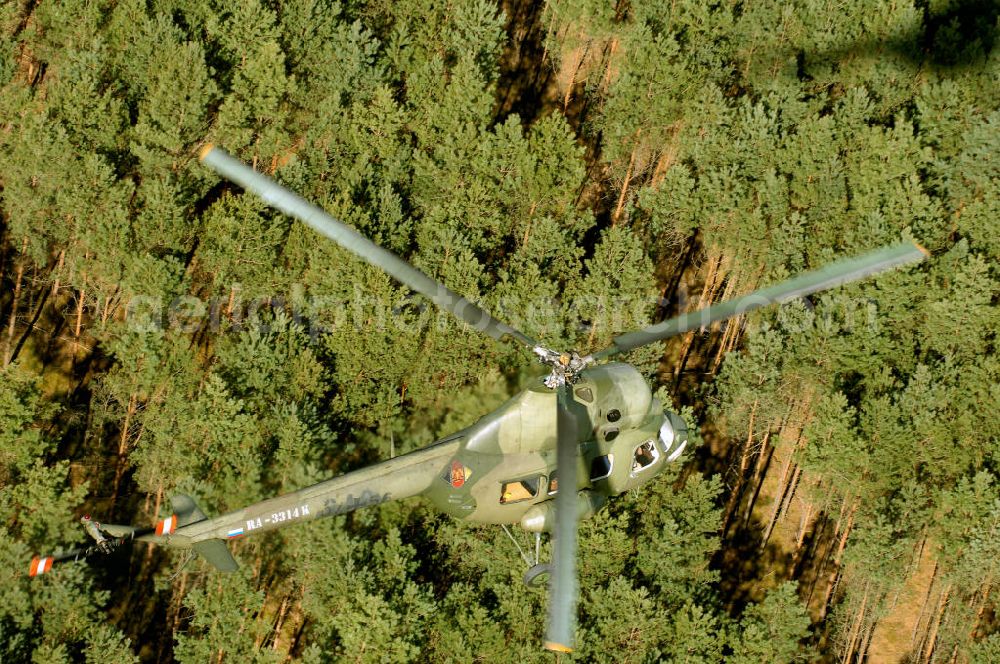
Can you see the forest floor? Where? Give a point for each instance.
(803, 543)
(895, 634)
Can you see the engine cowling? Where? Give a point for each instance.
(542, 517)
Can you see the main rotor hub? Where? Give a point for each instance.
(566, 367)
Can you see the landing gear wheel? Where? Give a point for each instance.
(537, 575)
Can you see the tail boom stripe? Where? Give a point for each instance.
(40, 566)
(167, 526)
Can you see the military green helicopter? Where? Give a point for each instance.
(550, 456)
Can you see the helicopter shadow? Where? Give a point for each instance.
(950, 40)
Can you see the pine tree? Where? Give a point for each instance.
(226, 623)
(771, 631)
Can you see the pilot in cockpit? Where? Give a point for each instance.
(644, 455)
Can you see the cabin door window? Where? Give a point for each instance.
(517, 490)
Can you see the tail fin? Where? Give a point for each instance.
(185, 509)
(212, 550)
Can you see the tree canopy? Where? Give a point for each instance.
(162, 331)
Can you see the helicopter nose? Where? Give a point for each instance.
(673, 435)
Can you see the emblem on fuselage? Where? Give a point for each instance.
(457, 474)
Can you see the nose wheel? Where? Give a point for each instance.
(537, 575)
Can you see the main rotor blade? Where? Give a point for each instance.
(834, 274)
(563, 586)
(294, 205)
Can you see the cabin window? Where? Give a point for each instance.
(645, 455)
(553, 484)
(517, 490)
(600, 467)
(614, 415)
(584, 394)
(610, 435)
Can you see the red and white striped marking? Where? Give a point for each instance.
(40, 565)
(167, 526)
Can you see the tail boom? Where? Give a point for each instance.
(398, 478)
(189, 528)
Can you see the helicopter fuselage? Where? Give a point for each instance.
(504, 470)
(501, 469)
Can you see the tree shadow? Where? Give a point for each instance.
(524, 84)
(749, 569)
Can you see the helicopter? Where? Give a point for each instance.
(550, 456)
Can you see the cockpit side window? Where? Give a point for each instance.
(517, 490)
(600, 467)
(644, 456)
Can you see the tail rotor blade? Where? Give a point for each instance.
(119, 535)
(294, 205)
(43, 564)
(832, 275)
(563, 586)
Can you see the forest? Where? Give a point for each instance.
(580, 168)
